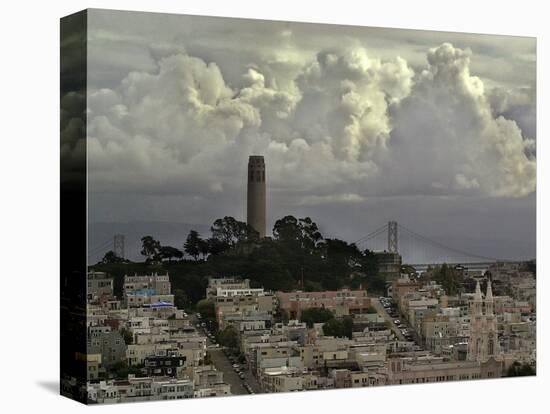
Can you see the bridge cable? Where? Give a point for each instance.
(448, 248)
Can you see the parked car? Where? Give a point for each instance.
(397, 321)
(241, 375)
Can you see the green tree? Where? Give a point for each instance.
(229, 337)
(181, 300)
(206, 308)
(315, 315)
(267, 265)
(301, 232)
(333, 327)
(518, 369)
(127, 336)
(340, 259)
(190, 281)
(216, 246)
(376, 283)
(204, 248)
(120, 370)
(448, 278)
(169, 252)
(297, 240)
(111, 257)
(347, 322)
(284, 315)
(287, 229)
(150, 248)
(230, 231)
(339, 328)
(369, 263)
(192, 245)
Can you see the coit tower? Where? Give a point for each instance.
(255, 203)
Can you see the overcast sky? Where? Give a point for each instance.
(358, 126)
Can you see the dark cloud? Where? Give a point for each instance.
(344, 116)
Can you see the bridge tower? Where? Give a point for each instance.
(118, 245)
(392, 237)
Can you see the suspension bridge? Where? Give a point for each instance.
(415, 249)
(115, 244)
(420, 251)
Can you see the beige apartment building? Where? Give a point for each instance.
(341, 302)
(426, 370)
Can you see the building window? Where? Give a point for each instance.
(491, 347)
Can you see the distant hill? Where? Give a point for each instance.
(173, 234)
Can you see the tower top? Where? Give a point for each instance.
(477, 295)
(256, 162)
(489, 294)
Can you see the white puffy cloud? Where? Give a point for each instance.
(166, 126)
(519, 105)
(358, 125)
(160, 129)
(346, 95)
(447, 125)
(346, 119)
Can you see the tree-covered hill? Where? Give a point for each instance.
(297, 257)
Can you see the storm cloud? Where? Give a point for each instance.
(341, 124)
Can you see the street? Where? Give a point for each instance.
(382, 311)
(222, 363)
(230, 377)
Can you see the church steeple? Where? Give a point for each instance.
(489, 300)
(477, 294)
(483, 342)
(477, 303)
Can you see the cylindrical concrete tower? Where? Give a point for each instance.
(255, 205)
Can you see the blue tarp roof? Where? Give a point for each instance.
(159, 304)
